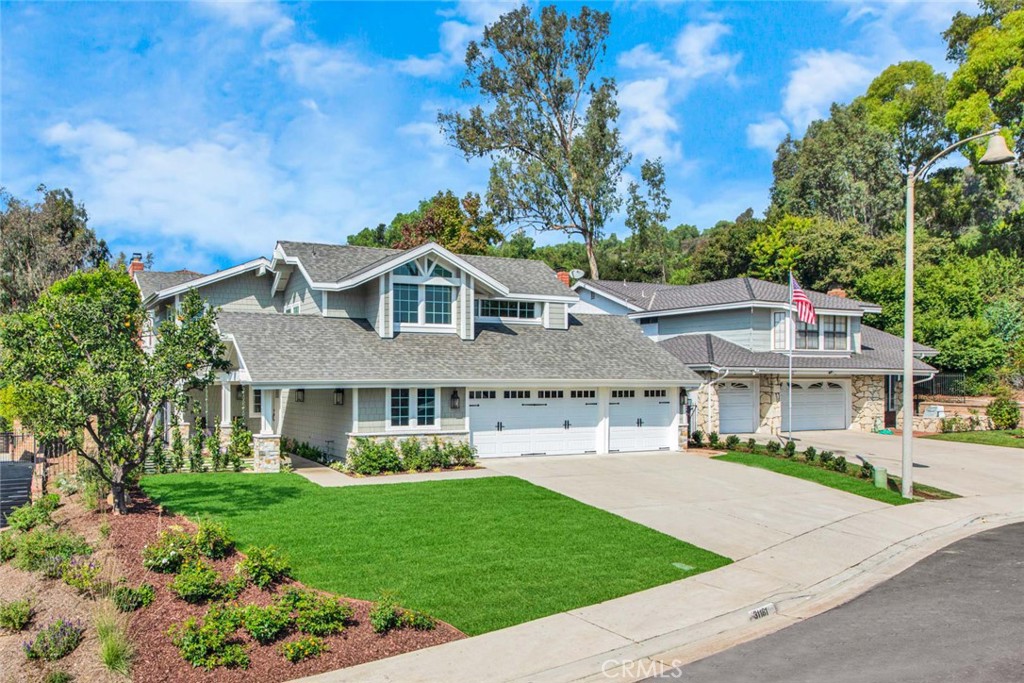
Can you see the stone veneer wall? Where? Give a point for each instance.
(868, 402)
(770, 404)
(707, 406)
(266, 453)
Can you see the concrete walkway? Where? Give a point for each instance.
(800, 549)
(325, 476)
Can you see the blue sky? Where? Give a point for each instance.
(204, 132)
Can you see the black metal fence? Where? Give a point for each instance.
(950, 385)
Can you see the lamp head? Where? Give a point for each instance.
(997, 152)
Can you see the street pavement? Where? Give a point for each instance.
(955, 616)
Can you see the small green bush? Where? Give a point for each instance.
(58, 677)
(49, 502)
(315, 614)
(790, 449)
(303, 648)
(104, 530)
(415, 458)
(369, 457)
(128, 599)
(195, 451)
(94, 488)
(177, 450)
(239, 445)
(1004, 413)
(213, 446)
(15, 614)
(41, 549)
(827, 458)
(867, 470)
(697, 438)
(419, 621)
(810, 454)
(732, 442)
(751, 445)
(197, 581)
(234, 586)
(8, 546)
(462, 454)
(210, 642)
(385, 615)
(839, 464)
(212, 539)
(32, 515)
(264, 566)
(83, 575)
(172, 548)
(773, 447)
(57, 640)
(713, 441)
(266, 624)
(116, 649)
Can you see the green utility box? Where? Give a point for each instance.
(881, 478)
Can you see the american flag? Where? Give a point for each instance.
(804, 308)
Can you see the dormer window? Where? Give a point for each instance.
(422, 296)
(294, 305)
(409, 268)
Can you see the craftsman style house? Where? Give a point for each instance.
(332, 342)
(738, 335)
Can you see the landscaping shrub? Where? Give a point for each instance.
(197, 581)
(1004, 413)
(68, 484)
(239, 445)
(213, 445)
(172, 547)
(94, 489)
(303, 648)
(116, 650)
(374, 457)
(790, 449)
(266, 624)
(388, 615)
(463, 454)
(826, 458)
(53, 566)
(420, 621)
(773, 447)
(306, 450)
(315, 614)
(158, 456)
(234, 586)
(8, 546)
(31, 515)
(751, 445)
(732, 442)
(43, 548)
(697, 438)
(212, 539)
(57, 640)
(415, 458)
(104, 530)
(58, 677)
(839, 464)
(177, 450)
(195, 452)
(713, 440)
(15, 614)
(209, 642)
(867, 470)
(810, 454)
(128, 599)
(83, 575)
(264, 566)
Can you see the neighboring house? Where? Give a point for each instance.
(737, 334)
(330, 342)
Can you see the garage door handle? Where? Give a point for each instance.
(566, 424)
(498, 427)
(639, 422)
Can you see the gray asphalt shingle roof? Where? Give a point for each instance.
(151, 281)
(307, 348)
(659, 297)
(880, 352)
(334, 262)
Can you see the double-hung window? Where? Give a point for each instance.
(780, 325)
(422, 294)
(835, 333)
(413, 407)
(438, 305)
(407, 304)
(806, 335)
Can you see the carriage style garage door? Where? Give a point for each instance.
(737, 401)
(640, 420)
(533, 421)
(816, 405)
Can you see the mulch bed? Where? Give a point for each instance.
(384, 475)
(159, 659)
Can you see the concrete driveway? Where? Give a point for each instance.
(964, 468)
(732, 509)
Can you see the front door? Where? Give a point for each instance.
(891, 390)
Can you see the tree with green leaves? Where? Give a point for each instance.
(646, 218)
(722, 252)
(459, 225)
(77, 369)
(548, 124)
(41, 243)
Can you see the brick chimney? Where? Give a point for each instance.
(837, 292)
(563, 276)
(136, 265)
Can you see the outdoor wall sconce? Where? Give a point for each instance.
(239, 393)
(455, 399)
(300, 395)
(339, 397)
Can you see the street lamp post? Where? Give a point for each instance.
(996, 153)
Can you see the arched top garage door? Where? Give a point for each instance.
(817, 404)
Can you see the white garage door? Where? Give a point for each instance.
(736, 407)
(533, 421)
(640, 420)
(816, 405)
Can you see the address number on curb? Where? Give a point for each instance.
(762, 611)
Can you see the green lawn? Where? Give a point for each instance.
(480, 554)
(801, 470)
(991, 438)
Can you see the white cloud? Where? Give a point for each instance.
(317, 66)
(767, 133)
(269, 17)
(463, 23)
(648, 123)
(820, 78)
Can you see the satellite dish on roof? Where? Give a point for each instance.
(576, 274)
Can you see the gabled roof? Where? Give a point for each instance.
(308, 349)
(152, 281)
(740, 290)
(880, 352)
(185, 285)
(339, 262)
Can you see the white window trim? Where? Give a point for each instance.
(537, 319)
(784, 322)
(413, 426)
(294, 305)
(252, 403)
(421, 309)
(821, 336)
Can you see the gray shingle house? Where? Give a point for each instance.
(738, 335)
(333, 342)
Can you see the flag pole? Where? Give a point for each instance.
(791, 333)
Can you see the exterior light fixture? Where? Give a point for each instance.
(239, 392)
(339, 397)
(455, 403)
(300, 395)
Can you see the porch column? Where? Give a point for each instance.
(225, 405)
(266, 446)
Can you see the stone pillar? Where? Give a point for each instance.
(266, 453)
(770, 404)
(868, 402)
